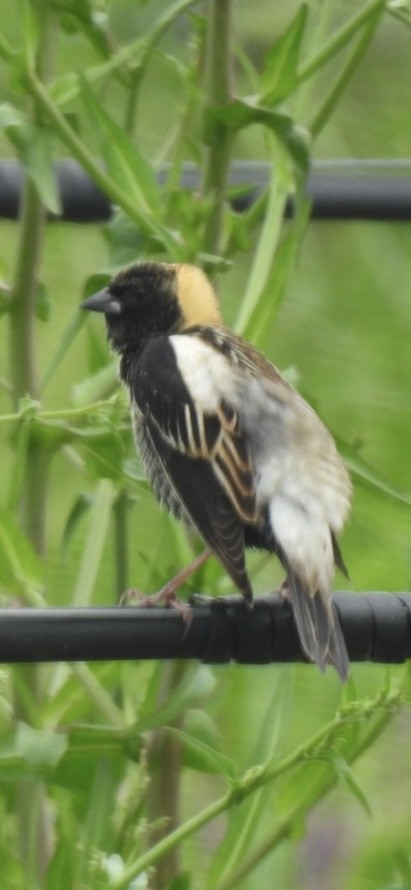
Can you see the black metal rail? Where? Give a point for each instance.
(345, 190)
(376, 627)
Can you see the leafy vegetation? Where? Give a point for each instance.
(176, 775)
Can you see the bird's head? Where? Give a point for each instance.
(148, 299)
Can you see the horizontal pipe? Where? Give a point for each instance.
(339, 190)
(376, 627)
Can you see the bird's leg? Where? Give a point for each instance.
(167, 593)
(284, 591)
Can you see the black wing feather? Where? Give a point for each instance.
(204, 456)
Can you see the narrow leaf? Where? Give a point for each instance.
(21, 570)
(67, 87)
(369, 477)
(10, 116)
(344, 772)
(259, 327)
(279, 188)
(86, 746)
(36, 153)
(202, 756)
(78, 510)
(98, 386)
(103, 453)
(279, 77)
(95, 542)
(69, 334)
(125, 164)
(330, 102)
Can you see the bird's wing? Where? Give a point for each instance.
(203, 452)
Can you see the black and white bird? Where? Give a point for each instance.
(228, 444)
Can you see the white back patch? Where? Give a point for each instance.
(206, 372)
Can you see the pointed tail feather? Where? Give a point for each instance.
(318, 628)
(337, 650)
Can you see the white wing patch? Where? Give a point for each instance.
(206, 373)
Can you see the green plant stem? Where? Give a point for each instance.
(164, 790)
(260, 776)
(58, 413)
(217, 89)
(121, 542)
(23, 300)
(35, 487)
(31, 801)
(317, 792)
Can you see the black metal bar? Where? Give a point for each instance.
(368, 190)
(376, 626)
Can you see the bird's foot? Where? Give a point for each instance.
(167, 595)
(163, 597)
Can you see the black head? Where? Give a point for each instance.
(139, 303)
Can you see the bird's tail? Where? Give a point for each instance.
(318, 628)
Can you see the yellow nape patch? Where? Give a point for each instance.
(196, 296)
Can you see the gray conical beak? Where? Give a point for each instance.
(102, 301)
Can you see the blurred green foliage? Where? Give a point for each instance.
(93, 759)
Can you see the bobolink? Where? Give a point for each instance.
(228, 444)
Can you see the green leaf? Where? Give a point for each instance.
(21, 570)
(281, 182)
(196, 683)
(279, 77)
(100, 515)
(125, 164)
(182, 882)
(80, 16)
(98, 386)
(35, 149)
(80, 507)
(96, 829)
(28, 752)
(20, 442)
(201, 756)
(10, 116)
(243, 113)
(68, 336)
(126, 240)
(94, 283)
(345, 773)
(369, 477)
(259, 327)
(61, 869)
(133, 469)
(39, 748)
(134, 54)
(326, 109)
(103, 451)
(98, 356)
(43, 303)
(87, 746)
